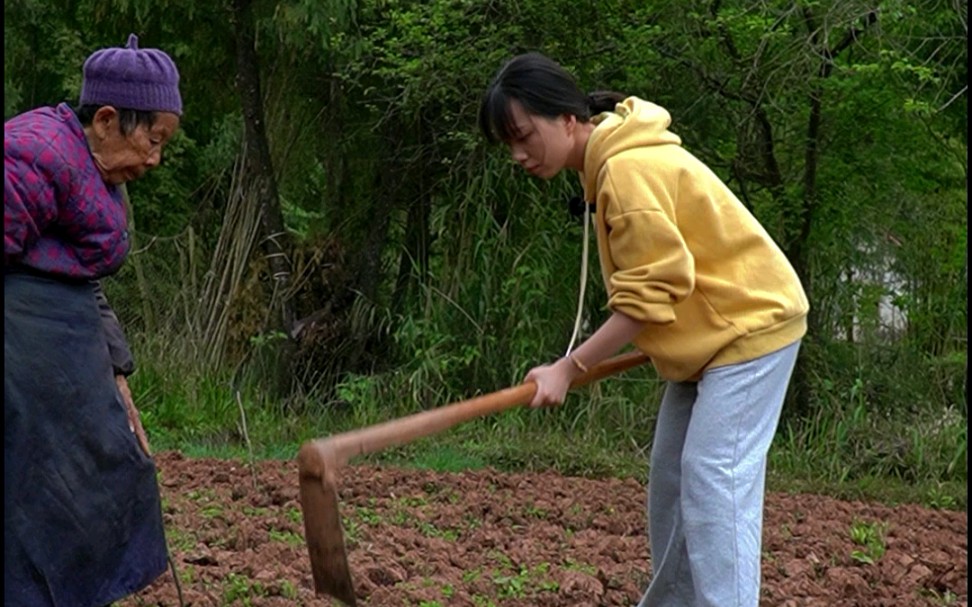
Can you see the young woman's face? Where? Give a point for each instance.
(121, 157)
(541, 145)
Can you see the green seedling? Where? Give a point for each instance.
(256, 511)
(511, 586)
(187, 574)
(241, 588)
(416, 501)
(945, 599)
(352, 531)
(482, 601)
(180, 540)
(533, 511)
(572, 565)
(526, 581)
(286, 537)
(201, 495)
(430, 530)
(870, 536)
(211, 511)
(288, 590)
(936, 498)
(368, 516)
(294, 515)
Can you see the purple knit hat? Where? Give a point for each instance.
(132, 78)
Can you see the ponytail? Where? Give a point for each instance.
(544, 88)
(604, 101)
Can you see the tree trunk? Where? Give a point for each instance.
(262, 183)
(798, 248)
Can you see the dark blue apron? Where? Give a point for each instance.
(82, 519)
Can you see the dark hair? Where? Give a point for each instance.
(544, 88)
(128, 119)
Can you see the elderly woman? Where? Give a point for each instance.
(82, 511)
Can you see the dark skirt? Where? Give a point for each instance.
(82, 519)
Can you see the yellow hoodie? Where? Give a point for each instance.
(680, 251)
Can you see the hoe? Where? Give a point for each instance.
(320, 461)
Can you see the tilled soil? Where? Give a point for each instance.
(481, 538)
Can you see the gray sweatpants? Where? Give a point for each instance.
(706, 483)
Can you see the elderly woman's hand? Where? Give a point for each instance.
(134, 419)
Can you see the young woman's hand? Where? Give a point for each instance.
(552, 381)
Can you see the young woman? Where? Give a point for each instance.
(82, 519)
(694, 281)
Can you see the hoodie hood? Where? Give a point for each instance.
(634, 123)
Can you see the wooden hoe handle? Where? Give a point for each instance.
(320, 459)
(380, 436)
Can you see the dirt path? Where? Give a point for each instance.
(483, 538)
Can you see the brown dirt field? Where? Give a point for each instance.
(481, 538)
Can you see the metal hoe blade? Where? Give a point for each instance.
(325, 539)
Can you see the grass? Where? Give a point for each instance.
(847, 450)
(574, 455)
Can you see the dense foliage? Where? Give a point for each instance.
(420, 261)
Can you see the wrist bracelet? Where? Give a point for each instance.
(577, 362)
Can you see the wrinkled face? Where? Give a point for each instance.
(540, 145)
(123, 157)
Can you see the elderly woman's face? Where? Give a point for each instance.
(122, 157)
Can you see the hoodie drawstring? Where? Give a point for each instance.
(583, 279)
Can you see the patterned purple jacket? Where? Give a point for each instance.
(59, 216)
